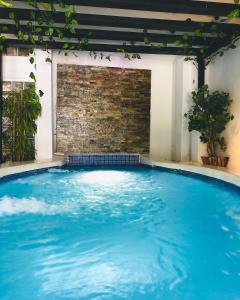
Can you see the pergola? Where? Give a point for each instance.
(127, 23)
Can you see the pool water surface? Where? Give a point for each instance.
(118, 233)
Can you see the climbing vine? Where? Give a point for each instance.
(42, 30)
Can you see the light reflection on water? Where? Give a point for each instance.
(136, 234)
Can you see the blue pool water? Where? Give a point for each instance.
(133, 233)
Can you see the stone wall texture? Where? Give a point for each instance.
(101, 109)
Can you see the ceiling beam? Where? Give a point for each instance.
(217, 46)
(126, 22)
(109, 48)
(119, 36)
(169, 6)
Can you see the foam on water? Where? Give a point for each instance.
(13, 206)
(103, 177)
(55, 170)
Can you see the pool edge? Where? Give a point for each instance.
(224, 176)
(8, 171)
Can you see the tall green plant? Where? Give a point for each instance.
(21, 108)
(209, 115)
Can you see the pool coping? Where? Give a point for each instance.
(214, 173)
(190, 168)
(10, 171)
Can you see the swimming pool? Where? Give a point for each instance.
(117, 233)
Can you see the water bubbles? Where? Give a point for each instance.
(13, 206)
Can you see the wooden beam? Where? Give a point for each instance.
(201, 71)
(169, 6)
(114, 35)
(108, 48)
(215, 47)
(125, 22)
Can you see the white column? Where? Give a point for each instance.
(185, 81)
(161, 110)
(44, 136)
(189, 84)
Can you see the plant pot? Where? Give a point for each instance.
(218, 161)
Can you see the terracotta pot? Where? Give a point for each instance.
(218, 161)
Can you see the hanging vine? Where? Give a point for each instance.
(42, 30)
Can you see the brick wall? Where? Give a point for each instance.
(102, 109)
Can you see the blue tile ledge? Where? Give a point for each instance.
(102, 159)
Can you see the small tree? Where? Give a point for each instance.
(209, 115)
(21, 109)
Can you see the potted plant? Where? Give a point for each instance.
(20, 111)
(209, 115)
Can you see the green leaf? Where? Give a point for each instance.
(38, 30)
(49, 31)
(20, 35)
(74, 22)
(185, 36)
(73, 30)
(48, 59)
(68, 13)
(31, 59)
(46, 5)
(177, 43)
(146, 40)
(198, 33)
(65, 46)
(41, 93)
(59, 34)
(11, 15)
(234, 14)
(5, 3)
(32, 76)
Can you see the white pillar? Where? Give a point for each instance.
(185, 81)
(161, 109)
(44, 136)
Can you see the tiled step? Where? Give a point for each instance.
(102, 159)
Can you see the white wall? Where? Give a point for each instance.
(224, 74)
(44, 136)
(171, 84)
(185, 81)
(18, 68)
